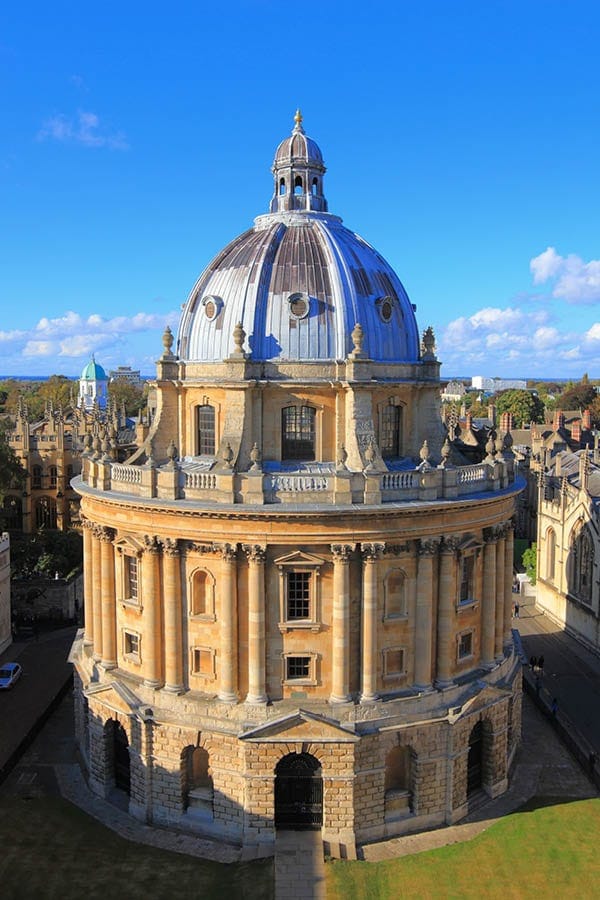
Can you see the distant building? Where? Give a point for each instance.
(93, 386)
(454, 392)
(126, 373)
(493, 385)
(5, 625)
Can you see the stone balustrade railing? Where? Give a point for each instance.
(177, 482)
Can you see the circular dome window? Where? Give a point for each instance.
(385, 306)
(299, 305)
(212, 307)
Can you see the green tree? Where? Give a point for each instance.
(122, 391)
(524, 406)
(577, 396)
(59, 389)
(12, 474)
(529, 560)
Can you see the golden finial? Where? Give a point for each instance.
(298, 119)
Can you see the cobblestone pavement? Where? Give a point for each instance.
(299, 866)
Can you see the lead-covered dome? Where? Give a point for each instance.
(298, 281)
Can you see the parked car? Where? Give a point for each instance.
(9, 673)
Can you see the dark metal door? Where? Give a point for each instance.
(475, 759)
(298, 792)
(122, 763)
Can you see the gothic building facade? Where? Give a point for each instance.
(297, 605)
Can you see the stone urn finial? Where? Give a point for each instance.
(227, 455)
(445, 453)
(342, 457)
(255, 456)
(358, 337)
(424, 455)
(428, 344)
(370, 455)
(172, 453)
(167, 341)
(239, 336)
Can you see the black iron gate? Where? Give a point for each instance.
(475, 759)
(298, 792)
(121, 757)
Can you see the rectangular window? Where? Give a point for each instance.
(131, 578)
(203, 662)
(465, 645)
(298, 595)
(466, 579)
(298, 433)
(297, 667)
(132, 645)
(389, 432)
(206, 430)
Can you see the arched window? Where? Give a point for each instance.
(314, 187)
(36, 477)
(205, 418)
(282, 186)
(390, 437)
(196, 780)
(581, 563)
(550, 554)
(298, 186)
(202, 593)
(298, 433)
(45, 513)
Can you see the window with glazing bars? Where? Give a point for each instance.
(466, 579)
(389, 436)
(298, 595)
(298, 432)
(131, 577)
(297, 667)
(206, 430)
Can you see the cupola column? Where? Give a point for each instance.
(173, 616)
(370, 554)
(97, 591)
(446, 605)
(228, 618)
(109, 611)
(88, 583)
(340, 641)
(508, 580)
(151, 614)
(424, 614)
(488, 614)
(256, 624)
(500, 576)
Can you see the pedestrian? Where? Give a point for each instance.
(554, 706)
(532, 663)
(540, 663)
(516, 610)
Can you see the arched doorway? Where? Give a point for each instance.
(121, 758)
(475, 759)
(298, 792)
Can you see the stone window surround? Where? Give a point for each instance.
(311, 679)
(209, 614)
(205, 400)
(299, 402)
(467, 632)
(129, 653)
(195, 652)
(313, 622)
(395, 616)
(389, 675)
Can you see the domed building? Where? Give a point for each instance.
(297, 595)
(93, 386)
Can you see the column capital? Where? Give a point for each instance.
(102, 533)
(228, 552)
(255, 552)
(491, 534)
(449, 544)
(428, 547)
(342, 552)
(151, 543)
(397, 549)
(170, 546)
(372, 552)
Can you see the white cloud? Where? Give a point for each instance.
(83, 128)
(593, 333)
(575, 281)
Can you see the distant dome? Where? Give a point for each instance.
(93, 371)
(298, 281)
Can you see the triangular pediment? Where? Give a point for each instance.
(117, 697)
(301, 726)
(129, 544)
(469, 543)
(299, 558)
(487, 695)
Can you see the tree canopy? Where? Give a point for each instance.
(577, 396)
(12, 474)
(524, 406)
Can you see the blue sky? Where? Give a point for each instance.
(461, 140)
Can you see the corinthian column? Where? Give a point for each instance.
(370, 554)
(508, 580)
(228, 619)
(97, 591)
(88, 583)
(151, 637)
(173, 616)
(488, 613)
(340, 640)
(447, 596)
(256, 624)
(108, 598)
(500, 575)
(427, 549)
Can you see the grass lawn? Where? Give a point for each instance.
(540, 851)
(51, 849)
